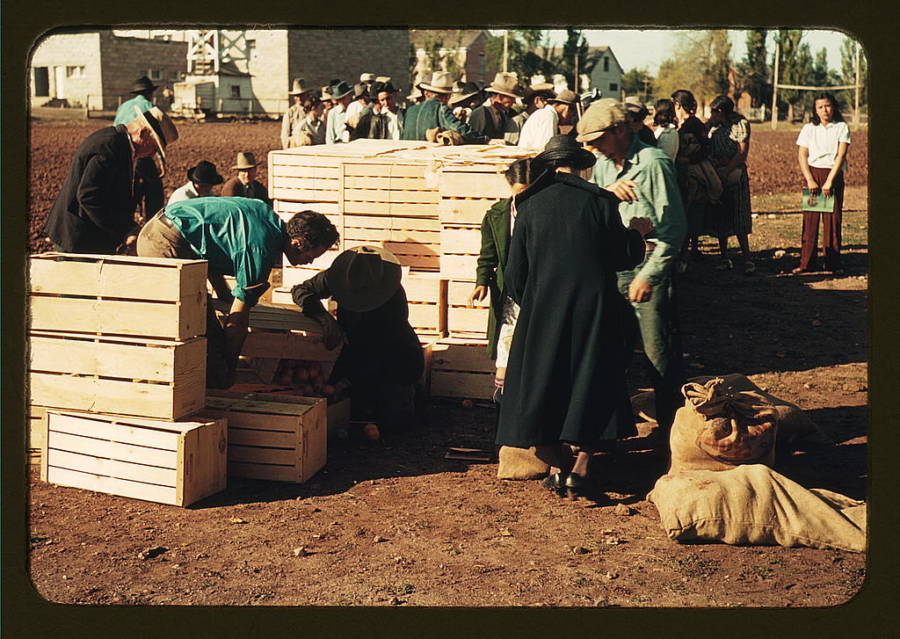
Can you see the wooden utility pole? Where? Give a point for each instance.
(505, 49)
(775, 87)
(856, 117)
(575, 82)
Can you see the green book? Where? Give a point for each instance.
(818, 202)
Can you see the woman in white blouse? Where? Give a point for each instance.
(665, 127)
(822, 155)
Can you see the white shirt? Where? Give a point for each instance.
(184, 192)
(335, 131)
(540, 126)
(667, 139)
(393, 122)
(822, 141)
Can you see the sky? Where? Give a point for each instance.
(648, 48)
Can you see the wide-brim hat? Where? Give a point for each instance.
(414, 94)
(465, 91)
(298, 87)
(598, 118)
(383, 79)
(326, 92)
(634, 107)
(564, 147)
(245, 160)
(363, 278)
(205, 173)
(539, 88)
(360, 91)
(440, 83)
(566, 96)
(161, 127)
(142, 84)
(366, 77)
(505, 84)
(340, 89)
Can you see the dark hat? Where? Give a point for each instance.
(635, 109)
(340, 89)
(363, 278)
(142, 84)
(463, 92)
(360, 91)
(205, 173)
(382, 87)
(564, 147)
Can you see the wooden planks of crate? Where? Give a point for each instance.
(36, 433)
(463, 321)
(283, 440)
(151, 297)
(461, 368)
(170, 462)
(144, 377)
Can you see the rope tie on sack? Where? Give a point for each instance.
(713, 398)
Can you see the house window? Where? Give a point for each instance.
(74, 72)
(235, 91)
(154, 74)
(251, 48)
(605, 64)
(613, 86)
(41, 82)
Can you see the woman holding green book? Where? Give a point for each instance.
(822, 155)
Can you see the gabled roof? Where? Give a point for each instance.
(449, 37)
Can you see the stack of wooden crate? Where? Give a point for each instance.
(117, 362)
(423, 202)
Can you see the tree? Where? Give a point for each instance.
(638, 82)
(753, 72)
(849, 49)
(701, 63)
(575, 48)
(795, 67)
(522, 56)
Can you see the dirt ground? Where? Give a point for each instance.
(395, 524)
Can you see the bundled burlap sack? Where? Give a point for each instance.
(753, 504)
(527, 463)
(444, 136)
(717, 429)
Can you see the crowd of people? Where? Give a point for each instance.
(580, 262)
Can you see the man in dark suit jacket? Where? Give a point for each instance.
(94, 211)
(491, 120)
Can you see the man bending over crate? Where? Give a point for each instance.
(240, 237)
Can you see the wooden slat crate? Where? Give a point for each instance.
(459, 267)
(110, 374)
(463, 182)
(337, 413)
(152, 297)
(282, 440)
(36, 433)
(461, 368)
(459, 211)
(168, 462)
(463, 321)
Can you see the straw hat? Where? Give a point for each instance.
(505, 84)
(598, 117)
(367, 77)
(299, 87)
(245, 160)
(384, 79)
(363, 278)
(440, 83)
(566, 96)
(414, 94)
(563, 147)
(161, 127)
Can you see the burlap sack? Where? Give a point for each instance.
(526, 463)
(717, 429)
(753, 504)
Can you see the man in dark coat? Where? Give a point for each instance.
(94, 211)
(565, 381)
(491, 120)
(383, 359)
(434, 113)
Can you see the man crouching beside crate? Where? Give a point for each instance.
(383, 359)
(240, 237)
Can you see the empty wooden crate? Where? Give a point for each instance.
(461, 368)
(111, 374)
(282, 440)
(118, 295)
(168, 462)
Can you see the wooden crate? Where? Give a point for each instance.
(36, 434)
(110, 374)
(168, 462)
(459, 267)
(464, 211)
(108, 294)
(277, 439)
(461, 368)
(464, 182)
(337, 414)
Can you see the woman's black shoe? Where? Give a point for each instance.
(555, 483)
(579, 486)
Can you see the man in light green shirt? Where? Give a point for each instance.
(643, 178)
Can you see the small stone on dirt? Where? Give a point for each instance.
(378, 539)
(601, 602)
(150, 553)
(504, 532)
(236, 520)
(580, 550)
(612, 541)
(300, 552)
(611, 575)
(779, 254)
(395, 601)
(623, 510)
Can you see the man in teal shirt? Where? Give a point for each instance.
(644, 178)
(240, 237)
(148, 186)
(434, 113)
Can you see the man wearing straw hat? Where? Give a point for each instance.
(466, 96)
(245, 184)
(434, 113)
(94, 211)
(491, 120)
(148, 186)
(335, 127)
(303, 98)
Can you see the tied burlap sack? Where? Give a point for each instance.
(301, 138)
(753, 504)
(526, 463)
(717, 429)
(444, 137)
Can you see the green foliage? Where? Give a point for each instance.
(849, 48)
(752, 73)
(796, 67)
(638, 82)
(575, 48)
(701, 63)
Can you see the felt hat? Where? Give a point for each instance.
(161, 127)
(379, 87)
(367, 77)
(245, 160)
(340, 89)
(363, 278)
(440, 83)
(142, 84)
(566, 96)
(634, 108)
(414, 94)
(564, 147)
(360, 91)
(463, 92)
(383, 78)
(326, 92)
(299, 87)
(505, 84)
(599, 117)
(538, 86)
(205, 173)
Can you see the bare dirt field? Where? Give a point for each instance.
(394, 523)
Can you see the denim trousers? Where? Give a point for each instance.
(654, 322)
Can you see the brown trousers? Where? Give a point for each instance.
(831, 227)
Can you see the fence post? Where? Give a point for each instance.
(775, 87)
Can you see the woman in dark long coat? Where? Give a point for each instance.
(565, 381)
